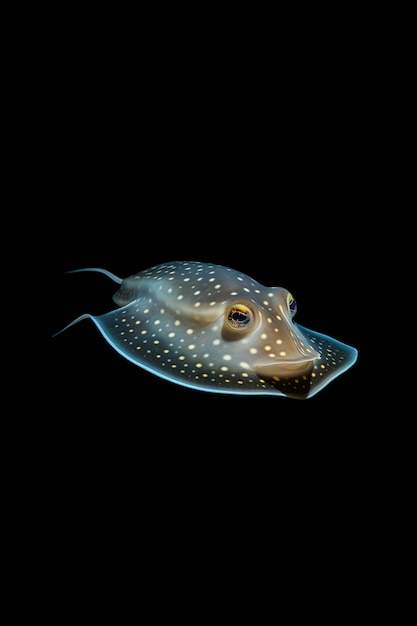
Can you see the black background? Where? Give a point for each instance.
(268, 158)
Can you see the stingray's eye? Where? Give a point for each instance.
(292, 305)
(239, 316)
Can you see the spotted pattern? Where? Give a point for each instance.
(216, 329)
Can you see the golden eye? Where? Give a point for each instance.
(292, 305)
(239, 316)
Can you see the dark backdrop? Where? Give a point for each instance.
(271, 159)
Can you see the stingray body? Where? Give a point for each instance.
(215, 329)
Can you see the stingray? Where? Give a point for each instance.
(215, 329)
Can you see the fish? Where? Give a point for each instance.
(215, 329)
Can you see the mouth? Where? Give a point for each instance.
(286, 369)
